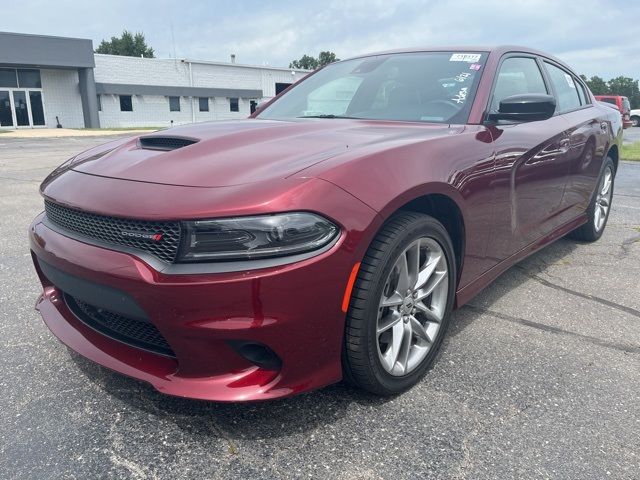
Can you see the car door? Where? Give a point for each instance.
(588, 133)
(531, 165)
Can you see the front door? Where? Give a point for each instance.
(6, 110)
(531, 164)
(21, 108)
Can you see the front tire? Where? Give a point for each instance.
(635, 121)
(600, 206)
(400, 305)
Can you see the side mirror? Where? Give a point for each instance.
(529, 107)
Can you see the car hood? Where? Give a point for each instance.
(246, 151)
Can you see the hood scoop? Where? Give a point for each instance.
(165, 143)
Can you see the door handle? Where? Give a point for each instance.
(604, 127)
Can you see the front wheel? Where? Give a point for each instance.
(600, 206)
(400, 305)
(635, 121)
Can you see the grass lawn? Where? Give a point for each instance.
(631, 152)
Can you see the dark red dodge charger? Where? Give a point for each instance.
(331, 234)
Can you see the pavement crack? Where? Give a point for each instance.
(626, 245)
(551, 329)
(602, 301)
(19, 179)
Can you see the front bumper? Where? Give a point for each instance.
(293, 309)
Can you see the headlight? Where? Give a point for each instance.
(263, 236)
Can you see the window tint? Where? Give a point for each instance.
(29, 78)
(126, 105)
(612, 101)
(174, 104)
(234, 105)
(8, 77)
(420, 87)
(333, 98)
(203, 104)
(565, 87)
(518, 75)
(581, 92)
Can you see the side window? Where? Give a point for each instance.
(174, 104)
(517, 75)
(126, 104)
(581, 93)
(565, 87)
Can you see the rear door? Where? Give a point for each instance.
(531, 166)
(588, 131)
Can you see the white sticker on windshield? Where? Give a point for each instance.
(569, 80)
(465, 57)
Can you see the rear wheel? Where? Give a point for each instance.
(600, 206)
(400, 305)
(635, 121)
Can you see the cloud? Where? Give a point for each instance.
(594, 36)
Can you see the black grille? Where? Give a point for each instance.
(165, 143)
(119, 231)
(136, 333)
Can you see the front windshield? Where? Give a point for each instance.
(425, 87)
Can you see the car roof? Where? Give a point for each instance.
(498, 50)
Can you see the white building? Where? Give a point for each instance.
(50, 81)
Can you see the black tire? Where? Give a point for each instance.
(361, 364)
(636, 121)
(588, 232)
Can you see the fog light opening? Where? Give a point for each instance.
(257, 353)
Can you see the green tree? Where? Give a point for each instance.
(307, 62)
(128, 45)
(325, 58)
(597, 85)
(627, 87)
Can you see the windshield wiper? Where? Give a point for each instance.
(326, 115)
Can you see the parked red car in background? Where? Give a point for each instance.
(622, 104)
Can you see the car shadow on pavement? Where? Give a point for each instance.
(302, 413)
(267, 419)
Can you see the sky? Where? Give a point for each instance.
(595, 37)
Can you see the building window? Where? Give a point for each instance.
(281, 87)
(126, 105)
(174, 104)
(28, 78)
(99, 103)
(253, 104)
(203, 103)
(234, 105)
(20, 78)
(8, 77)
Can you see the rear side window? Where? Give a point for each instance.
(566, 91)
(517, 75)
(612, 101)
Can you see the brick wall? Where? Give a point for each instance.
(153, 110)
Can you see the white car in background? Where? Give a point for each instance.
(635, 117)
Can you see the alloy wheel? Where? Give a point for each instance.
(603, 199)
(412, 306)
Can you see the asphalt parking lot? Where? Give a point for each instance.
(538, 378)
